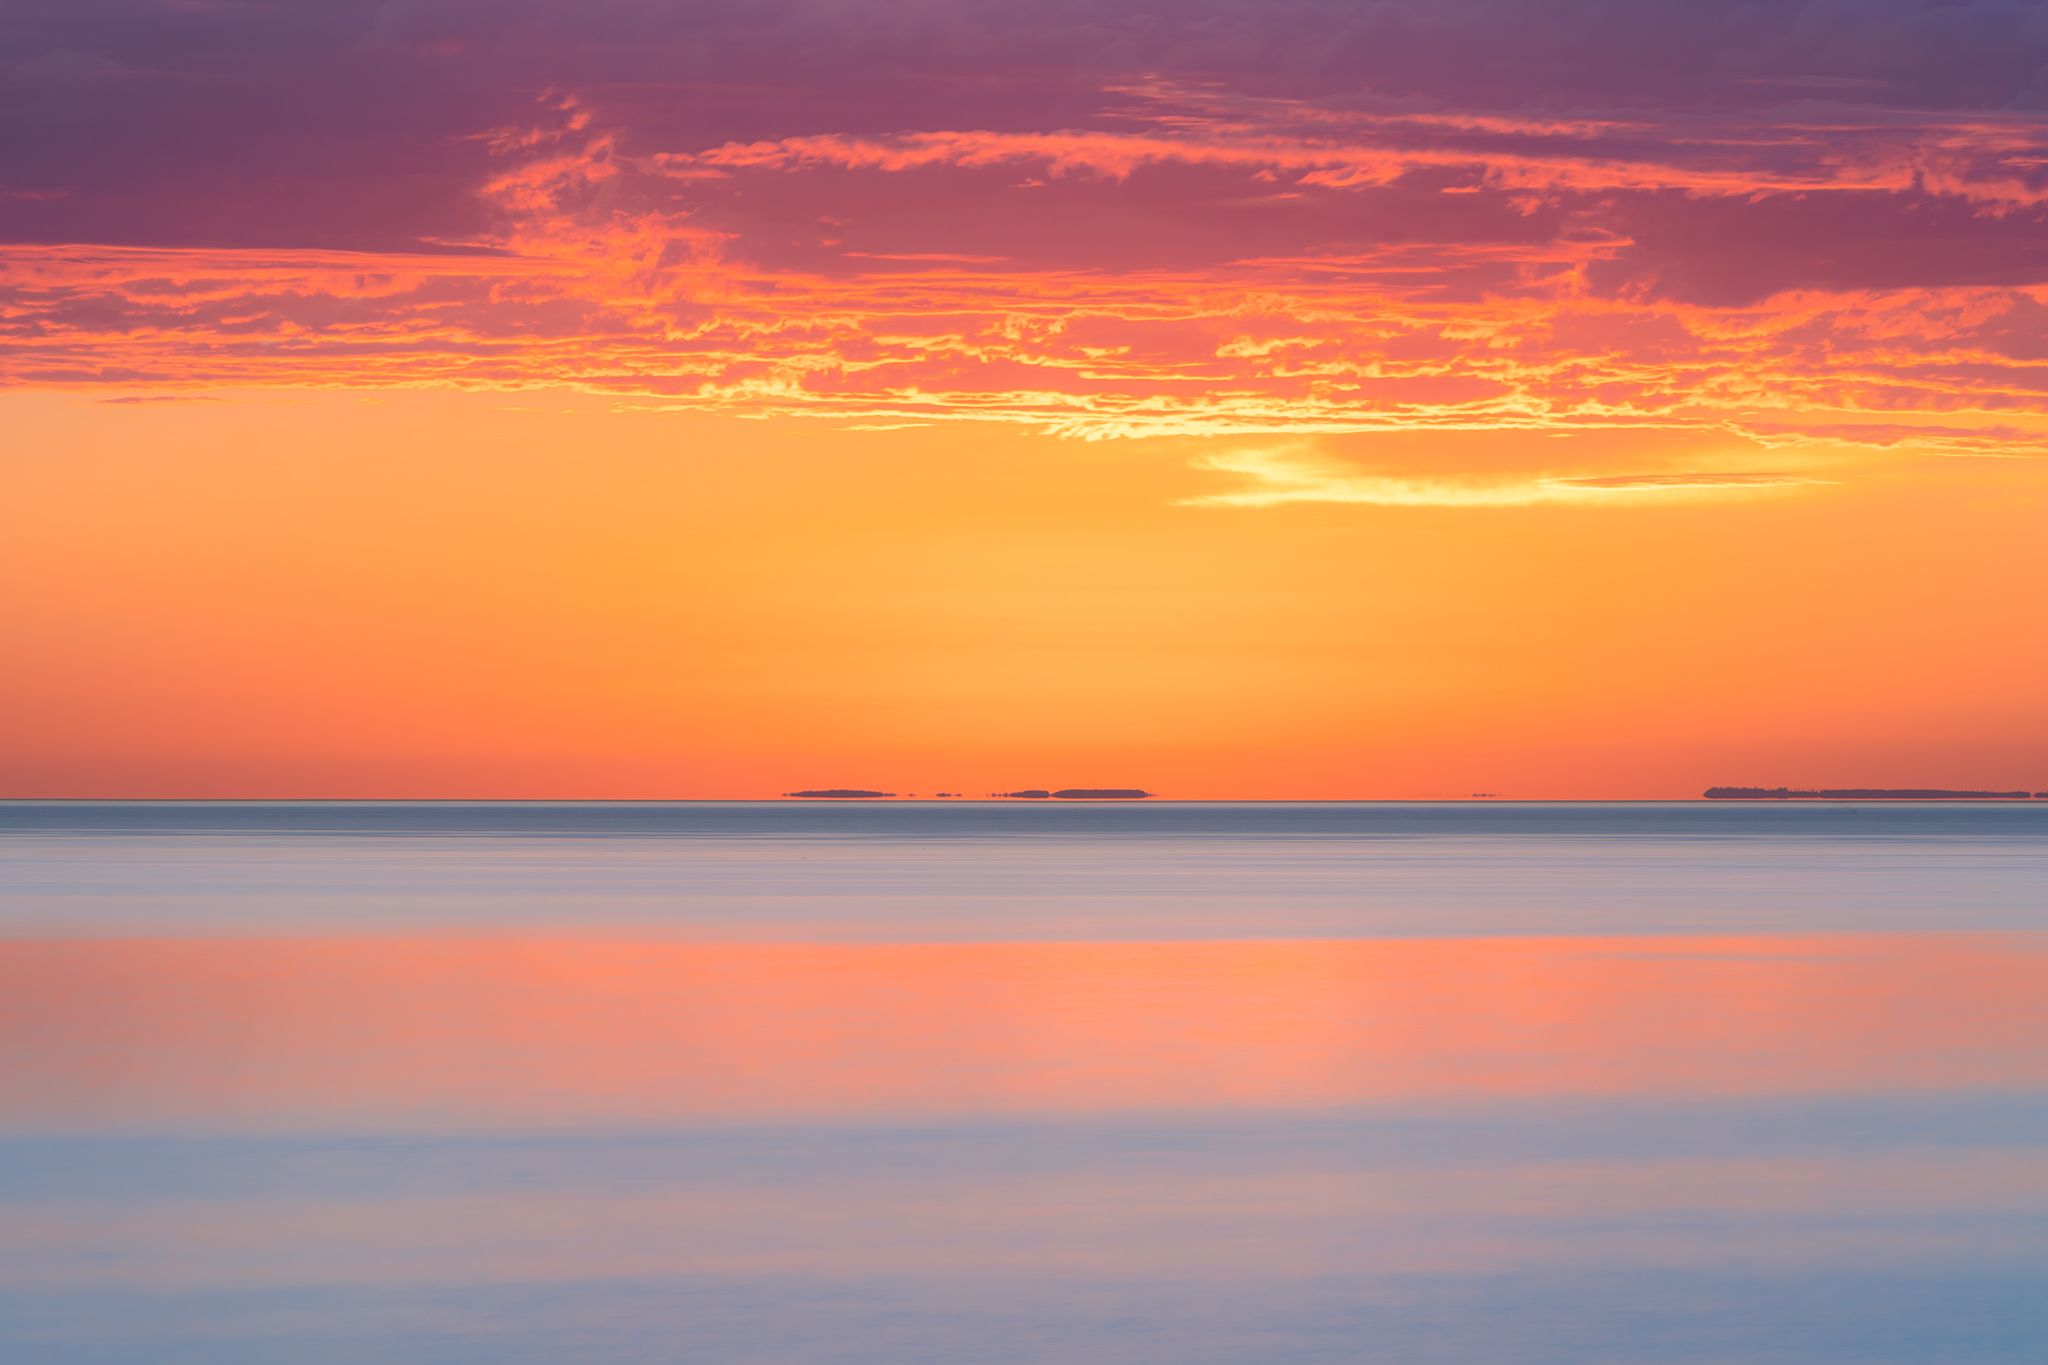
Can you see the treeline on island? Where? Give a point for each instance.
(841, 794)
(1862, 794)
(1077, 794)
(1033, 794)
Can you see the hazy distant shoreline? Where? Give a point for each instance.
(1863, 794)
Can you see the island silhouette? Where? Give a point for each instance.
(1077, 794)
(1033, 794)
(840, 794)
(1858, 794)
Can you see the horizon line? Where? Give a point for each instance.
(1012, 801)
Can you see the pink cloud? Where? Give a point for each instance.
(1199, 263)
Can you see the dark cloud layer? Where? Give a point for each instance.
(343, 124)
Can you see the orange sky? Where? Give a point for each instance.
(326, 593)
(605, 399)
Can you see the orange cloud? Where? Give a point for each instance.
(1525, 283)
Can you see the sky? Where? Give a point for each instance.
(1278, 399)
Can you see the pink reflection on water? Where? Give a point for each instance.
(450, 1032)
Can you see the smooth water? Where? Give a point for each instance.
(406, 1082)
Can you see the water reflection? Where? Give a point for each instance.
(1649, 1087)
(452, 1032)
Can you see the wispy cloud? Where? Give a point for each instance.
(1280, 476)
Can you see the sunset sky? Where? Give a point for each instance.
(1263, 398)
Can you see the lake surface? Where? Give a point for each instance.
(904, 1082)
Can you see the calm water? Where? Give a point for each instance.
(1621, 1083)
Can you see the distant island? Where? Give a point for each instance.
(1077, 794)
(1035, 794)
(1857, 794)
(840, 794)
